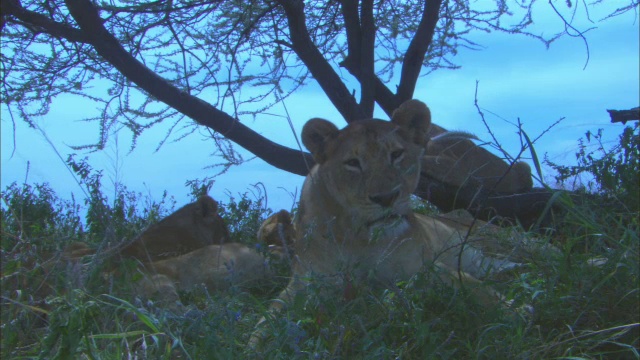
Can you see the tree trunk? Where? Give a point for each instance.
(524, 208)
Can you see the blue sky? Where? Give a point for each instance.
(518, 78)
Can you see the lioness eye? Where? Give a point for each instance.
(396, 155)
(353, 163)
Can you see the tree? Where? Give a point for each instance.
(190, 59)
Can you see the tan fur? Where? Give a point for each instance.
(189, 248)
(500, 240)
(277, 230)
(189, 228)
(217, 267)
(451, 157)
(76, 250)
(355, 221)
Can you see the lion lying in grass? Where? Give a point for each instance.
(190, 247)
(189, 228)
(451, 157)
(355, 222)
(219, 267)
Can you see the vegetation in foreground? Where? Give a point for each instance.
(581, 310)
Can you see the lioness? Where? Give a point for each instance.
(189, 228)
(189, 248)
(218, 267)
(355, 221)
(453, 158)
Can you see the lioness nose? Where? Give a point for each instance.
(385, 199)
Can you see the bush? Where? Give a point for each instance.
(33, 215)
(613, 174)
(111, 221)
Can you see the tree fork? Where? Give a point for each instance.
(321, 70)
(522, 207)
(108, 47)
(414, 57)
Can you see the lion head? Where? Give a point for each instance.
(277, 230)
(189, 228)
(366, 172)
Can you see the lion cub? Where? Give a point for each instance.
(355, 221)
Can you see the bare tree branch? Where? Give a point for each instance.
(353, 30)
(414, 57)
(368, 33)
(110, 49)
(40, 23)
(525, 208)
(324, 74)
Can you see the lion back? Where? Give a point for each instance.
(191, 227)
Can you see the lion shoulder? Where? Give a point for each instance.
(452, 157)
(189, 228)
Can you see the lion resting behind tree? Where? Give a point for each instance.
(355, 223)
(452, 158)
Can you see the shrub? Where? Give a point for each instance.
(614, 173)
(121, 218)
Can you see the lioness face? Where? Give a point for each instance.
(371, 167)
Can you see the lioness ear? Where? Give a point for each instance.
(315, 134)
(414, 116)
(207, 207)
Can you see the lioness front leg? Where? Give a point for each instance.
(161, 288)
(485, 295)
(278, 305)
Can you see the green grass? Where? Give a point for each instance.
(581, 311)
(54, 310)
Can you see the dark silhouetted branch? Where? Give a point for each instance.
(414, 57)
(38, 23)
(107, 46)
(367, 44)
(624, 115)
(321, 70)
(524, 208)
